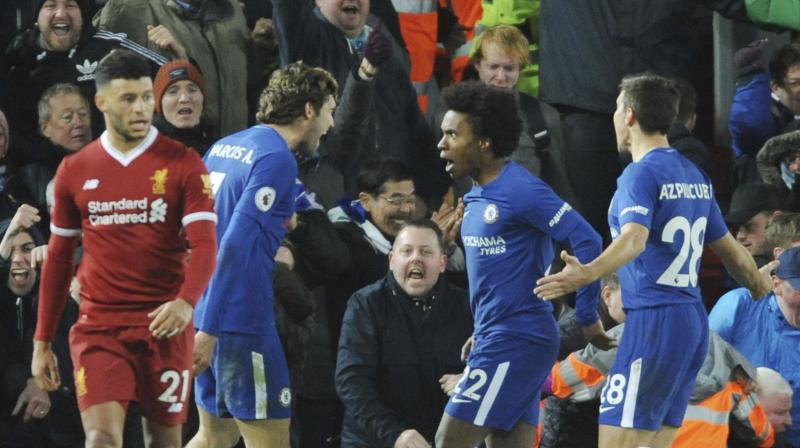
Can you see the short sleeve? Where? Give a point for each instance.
(716, 227)
(271, 181)
(637, 194)
(198, 197)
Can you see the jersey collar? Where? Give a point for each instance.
(126, 159)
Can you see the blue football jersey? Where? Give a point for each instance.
(669, 195)
(253, 177)
(508, 231)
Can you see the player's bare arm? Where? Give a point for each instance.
(630, 243)
(738, 261)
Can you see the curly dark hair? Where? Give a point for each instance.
(492, 113)
(653, 99)
(290, 88)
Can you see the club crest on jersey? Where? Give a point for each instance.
(80, 382)
(285, 397)
(490, 214)
(208, 187)
(265, 197)
(160, 181)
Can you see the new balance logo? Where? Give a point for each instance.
(91, 184)
(175, 408)
(158, 211)
(87, 69)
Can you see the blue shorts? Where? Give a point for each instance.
(248, 378)
(503, 379)
(654, 373)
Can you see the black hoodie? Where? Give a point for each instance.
(32, 70)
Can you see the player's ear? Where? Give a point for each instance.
(309, 110)
(484, 144)
(630, 117)
(100, 102)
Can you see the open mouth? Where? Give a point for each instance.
(20, 274)
(350, 9)
(185, 111)
(449, 166)
(61, 29)
(416, 273)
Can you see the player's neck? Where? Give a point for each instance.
(790, 312)
(642, 143)
(489, 170)
(290, 133)
(122, 144)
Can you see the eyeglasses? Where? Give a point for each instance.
(399, 201)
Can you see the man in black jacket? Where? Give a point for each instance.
(399, 337)
(62, 47)
(38, 418)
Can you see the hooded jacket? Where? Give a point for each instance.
(216, 39)
(775, 172)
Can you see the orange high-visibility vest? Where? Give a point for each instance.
(468, 13)
(705, 423)
(419, 25)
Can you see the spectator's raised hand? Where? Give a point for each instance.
(449, 218)
(264, 34)
(378, 48)
(38, 255)
(163, 39)
(751, 55)
(25, 217)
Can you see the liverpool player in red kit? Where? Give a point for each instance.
(132, 193)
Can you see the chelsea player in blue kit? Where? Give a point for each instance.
(240, 365)
(510, 221)
(660, 217)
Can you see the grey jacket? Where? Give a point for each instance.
(217, 41)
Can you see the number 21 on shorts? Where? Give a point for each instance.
(174, 380)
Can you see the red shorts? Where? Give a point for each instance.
(125, 364)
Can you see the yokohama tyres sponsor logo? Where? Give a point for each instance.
(127, 211)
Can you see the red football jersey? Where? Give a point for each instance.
(131, 208)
